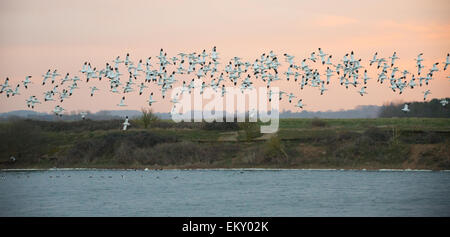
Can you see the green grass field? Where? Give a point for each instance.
(402, 123)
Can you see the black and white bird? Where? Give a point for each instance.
(125, 124)
(405, 108)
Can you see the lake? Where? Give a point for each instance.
(224, 193)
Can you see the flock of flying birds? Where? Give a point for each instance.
(204, 66)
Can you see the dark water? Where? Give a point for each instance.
(224, 193)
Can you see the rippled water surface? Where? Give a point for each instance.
(224, 193)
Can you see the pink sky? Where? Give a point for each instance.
(39, 35)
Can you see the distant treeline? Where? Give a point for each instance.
(370, 111)
(71, 116)
(428, 109)
(363, 111)
(431, 109)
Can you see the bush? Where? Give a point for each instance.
(423, 137)
(220, 126)
(347, 135)
(124, 153)
(21, 139)
(184, 153)
(109, 144)
(377, 134)
(316, 122)
(251, 130)
(148, 117)
(274, 151)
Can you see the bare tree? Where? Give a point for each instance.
(148, 117)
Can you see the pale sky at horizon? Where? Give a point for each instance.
(39, 35)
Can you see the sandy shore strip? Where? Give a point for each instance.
(216, 169)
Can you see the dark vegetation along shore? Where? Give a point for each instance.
(382, 143)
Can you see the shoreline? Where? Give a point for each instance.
(218, 169)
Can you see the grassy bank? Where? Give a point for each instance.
(414, 143)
